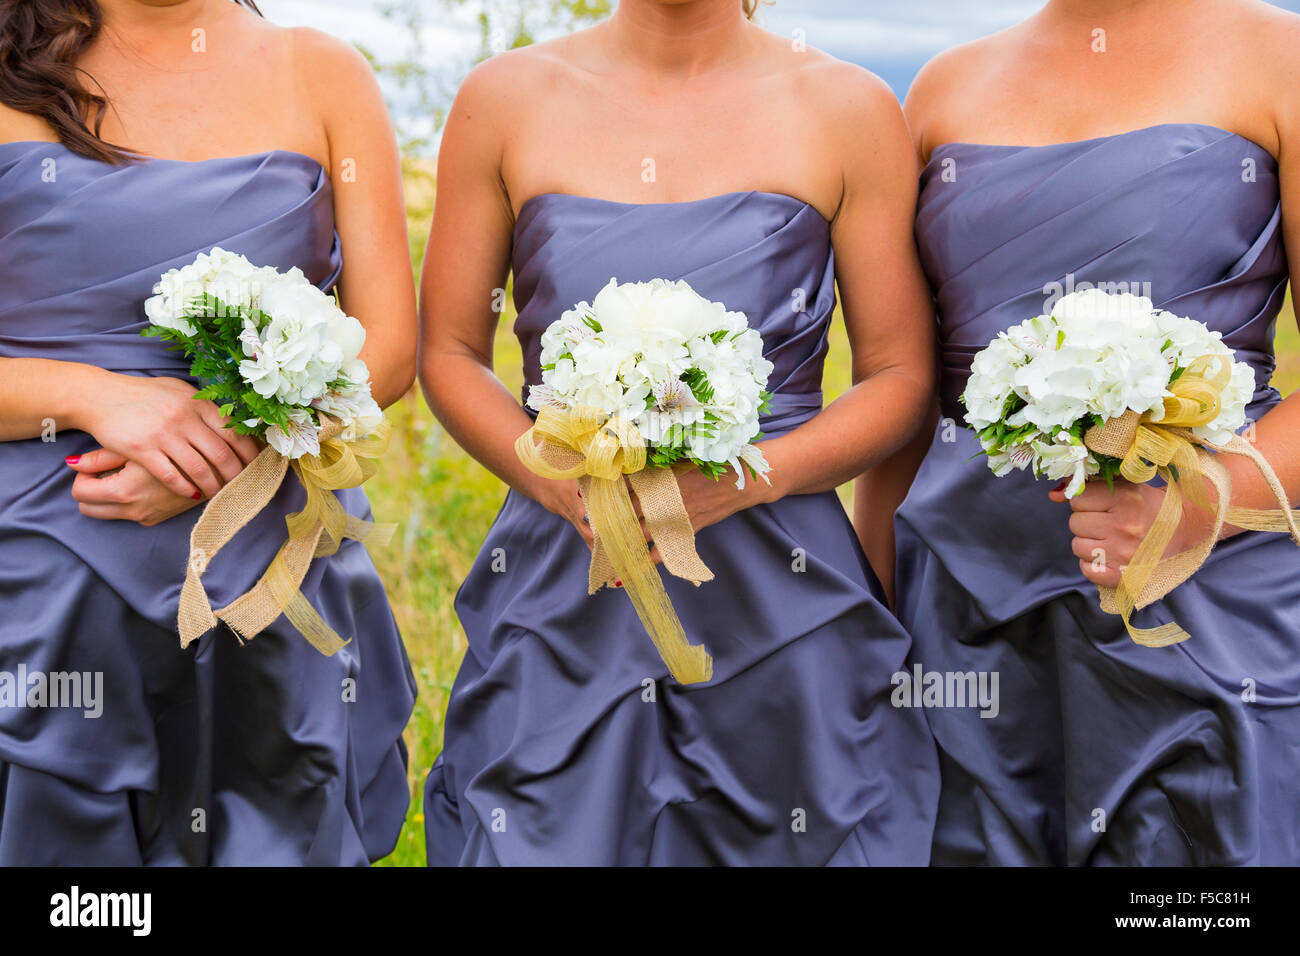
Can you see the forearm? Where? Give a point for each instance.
(877, 495)
(480, 413)
(1277, 438)
(392, 368)
(35, 392)
(856, 432)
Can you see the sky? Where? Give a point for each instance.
(893, 38)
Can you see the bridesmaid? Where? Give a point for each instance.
(1044, 170)
(598, 155)
(133, 135)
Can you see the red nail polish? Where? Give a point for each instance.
(579, 494)
(1061, 486)
(197, 495)
(618, 583)
(72, 459)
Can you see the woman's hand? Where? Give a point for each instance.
(563, 498)
(113, 488)
(708, 501)
(181, 442)
(1109, 525)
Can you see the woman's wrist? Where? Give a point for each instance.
(778, 482)
(82, 396)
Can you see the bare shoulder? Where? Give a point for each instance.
(1270, 37)
(934, 93)
(511, 84)
(861, 122)
(327, 63)
(847, 92)
(1268, 47)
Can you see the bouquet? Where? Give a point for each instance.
(282, 361)
(1108, 386)
(647, 376)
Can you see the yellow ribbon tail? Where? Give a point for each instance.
(616, 525)
(315, 531)
(599, 450)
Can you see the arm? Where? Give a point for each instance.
(878, 492)
(466, 261)
(377, 286)
(183, 445)
(887, 311)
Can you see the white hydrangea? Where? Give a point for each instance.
(633, 352)
(1039, 385)
(299, 348)
(226, 275)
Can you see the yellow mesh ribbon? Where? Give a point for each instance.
(599, 450)
(314, 532)
(1168, 448)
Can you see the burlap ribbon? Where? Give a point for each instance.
(1168, 448)
(598, 450)
(314, 532)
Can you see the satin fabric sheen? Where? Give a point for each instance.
(566, 742)
(221, 754)
(1104, 752)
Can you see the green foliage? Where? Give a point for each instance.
(215, 352)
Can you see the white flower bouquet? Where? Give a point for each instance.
(1037, 389)
(647, 375)
(689, 374)
(282, 361)
(273, 351)
(1109, 386)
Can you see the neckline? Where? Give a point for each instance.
(175, 162)
(737, 193)
(955, 144)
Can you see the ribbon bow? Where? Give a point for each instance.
(314, 532)
(599, 450)
(1168, 448)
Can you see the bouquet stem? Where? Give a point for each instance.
(599, 450)
(314, 532)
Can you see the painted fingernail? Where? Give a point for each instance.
(72, 459)
(197, 495)
(618, 583)
(1061, 486)
(579, 494)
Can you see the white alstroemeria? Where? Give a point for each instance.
(300, 438)
(1065, 458)
(752, 456)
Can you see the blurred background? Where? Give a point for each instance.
(443, 500)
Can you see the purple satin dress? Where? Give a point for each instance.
(268, 753)
(1102, 752)
(566, 742)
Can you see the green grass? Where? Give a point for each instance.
(445, 503)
